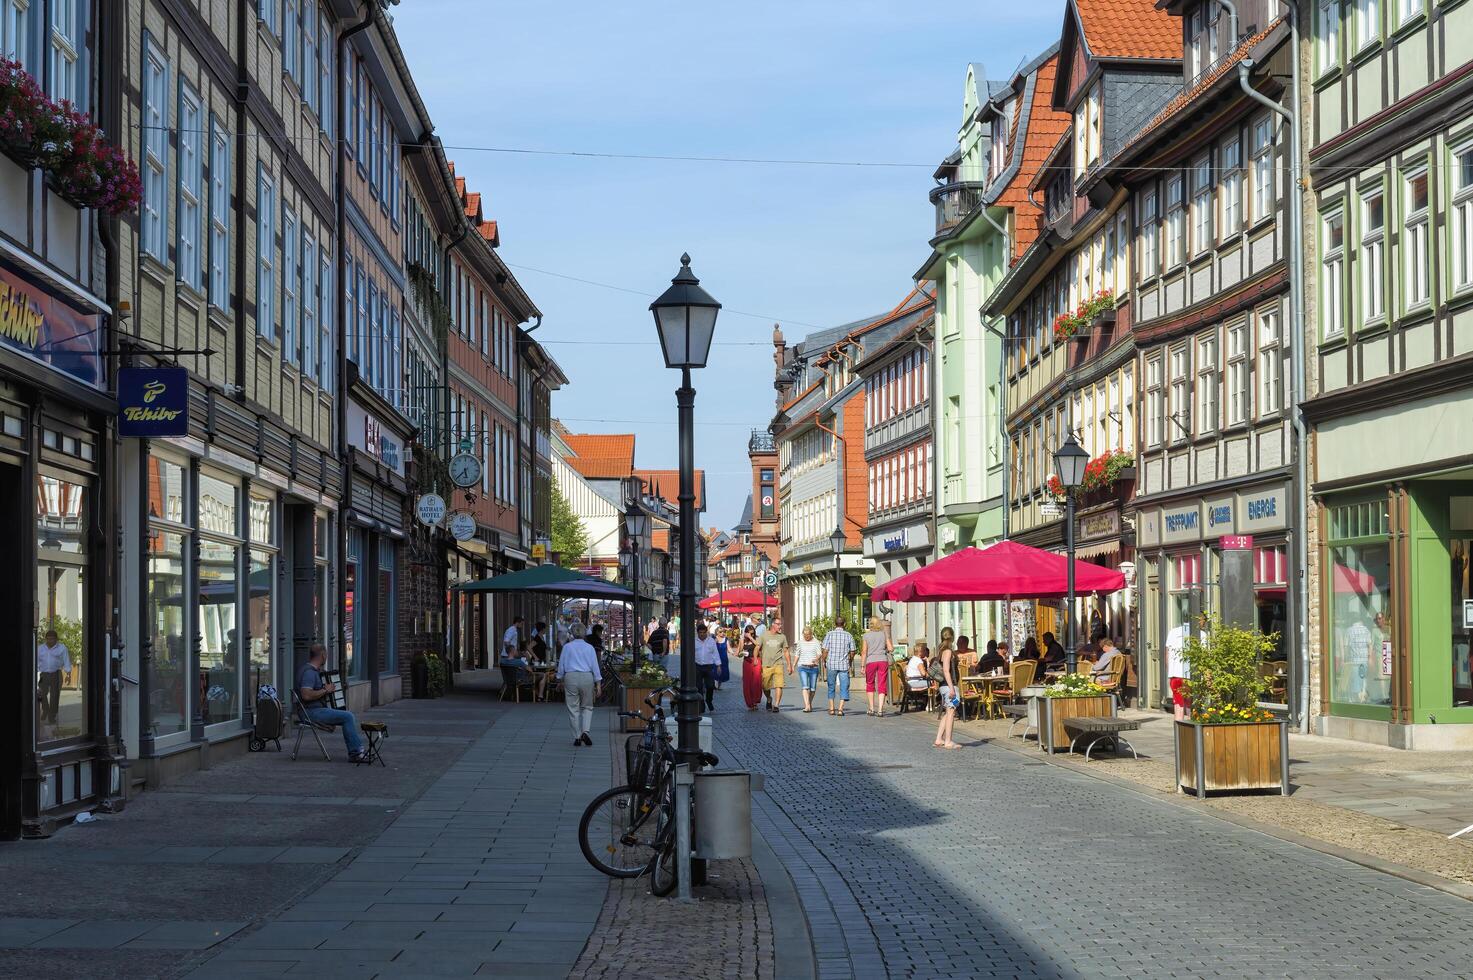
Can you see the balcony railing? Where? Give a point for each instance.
(760, 442)
(954, 202)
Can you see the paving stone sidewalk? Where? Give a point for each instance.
(481, 875)
(918, 862)
(212, 856)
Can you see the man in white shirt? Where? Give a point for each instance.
(582, 682)
(1176, 666)
(708, 662)
(511, 640)
(52, 660)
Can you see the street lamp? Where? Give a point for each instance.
(685, 315)
(764, 565)
(637, 528)
(1069, 463)
(836, 542)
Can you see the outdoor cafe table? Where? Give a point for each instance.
(989, 684)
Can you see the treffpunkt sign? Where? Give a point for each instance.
(153, 402)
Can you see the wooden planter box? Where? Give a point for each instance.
(633, 700)
(1053, 711)
(1232, 758)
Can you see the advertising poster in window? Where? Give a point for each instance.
(47, 330)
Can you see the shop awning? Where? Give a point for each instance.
(1006, 570)
(550, 580)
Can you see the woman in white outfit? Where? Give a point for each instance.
(582, 682)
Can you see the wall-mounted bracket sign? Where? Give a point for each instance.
(153, 402)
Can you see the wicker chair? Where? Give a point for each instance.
(1022, 676)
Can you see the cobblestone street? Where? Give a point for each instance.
(913, 862)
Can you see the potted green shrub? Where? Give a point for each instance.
(1071, 696)
(1228, 743)
(637, 685)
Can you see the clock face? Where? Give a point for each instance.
(465, 469)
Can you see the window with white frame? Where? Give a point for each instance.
(1196, 47)
(308, 77)
(1150, 233)
(1181, 393)
(1230, 189)
(1202, 205)
(155, 218)
(309, 302)
(1263, 167)
(1270, 362)
(291, 41)
(1367, 23)
(1176, 222)
(326, 103)
(1332, 273)
(1155, 403)
(1462, 217)
(1207, 383)
(1415, 215)
(265, 254)
(1120, 281)
(191, 180)
(1408, 10)
(1327, 34)
(68, 36)
(15, 31)
(1371, 269)
(325, 302)
(219, 215)
(1238, 373)
(291, 274)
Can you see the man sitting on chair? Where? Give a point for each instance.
(1107, 662)
(316, 693)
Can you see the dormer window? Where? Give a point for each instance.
(1087, 131)
(1203, 41)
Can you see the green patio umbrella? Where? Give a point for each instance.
(550, 580)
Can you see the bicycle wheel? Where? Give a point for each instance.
(618, 831)
(663, 874)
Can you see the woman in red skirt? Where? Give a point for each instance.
(751, 669)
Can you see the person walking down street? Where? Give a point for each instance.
(751, 668)
(950, 699)
(838, 646)
(809, 656)
(658, 640)
(511, 640)
(723, 672)
(708, 662)
(877, 650)
(582, 682)
(777, 662)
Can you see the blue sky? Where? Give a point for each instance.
(804, 246)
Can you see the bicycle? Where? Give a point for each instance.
(631, 843)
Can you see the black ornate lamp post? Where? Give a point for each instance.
(637, 528)
(1069, 462)
(686, 317)
(764, 565)
(836, 542)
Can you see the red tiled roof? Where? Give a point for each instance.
(1046, 127)
(660, 539)
(1187, 96)
(1129, 29)
(601, 456)
(665, 484)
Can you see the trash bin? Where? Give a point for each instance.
(723, 814)
(704, 741)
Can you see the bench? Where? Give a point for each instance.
(1017, 712)
(1096, 730)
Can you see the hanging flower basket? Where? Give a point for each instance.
(1099, 308)
(81, 165)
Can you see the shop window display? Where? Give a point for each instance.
(1360, 604)
(1460, 553)
(218, 608)
(61, 594)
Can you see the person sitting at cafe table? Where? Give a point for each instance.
(1054, 654)
(1003, 651)
(992, 660)
(966, 657)
(522, 664)
(315, 693)
(1107, 661)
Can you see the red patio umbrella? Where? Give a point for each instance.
(1006, 570)
(739, 600)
